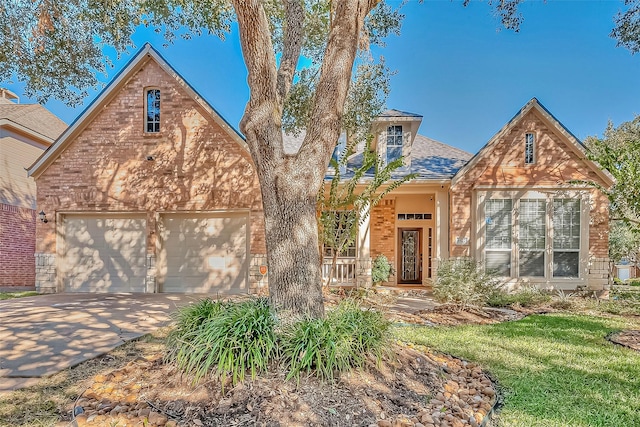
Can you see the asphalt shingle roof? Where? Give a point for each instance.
(430, 159)
(32, 116)
(398, 113)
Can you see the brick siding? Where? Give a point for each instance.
(17, 246)
(196, 165)
(503, 167)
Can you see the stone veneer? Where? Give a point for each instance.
(46, 273)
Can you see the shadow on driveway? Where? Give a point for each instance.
(42, 335)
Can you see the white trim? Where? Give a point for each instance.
(145, 54)
(556, 127)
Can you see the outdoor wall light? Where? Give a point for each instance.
(43, 217)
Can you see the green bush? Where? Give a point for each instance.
(224, 338)
(634, 282)
(336, 343)
(381, 270)
(527, 296)
(464, 282)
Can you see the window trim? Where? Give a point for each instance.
(549, 194)
(146, 110)
(396, 137)
(353, 247)
(526, 148)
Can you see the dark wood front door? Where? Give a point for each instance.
(410, 259)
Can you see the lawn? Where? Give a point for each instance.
(11, 295)
(554, 370)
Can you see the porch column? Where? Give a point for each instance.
(442, 228)
(363, 251)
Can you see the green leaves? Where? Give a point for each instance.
(227, 339)
(619, 153)
(223, 339)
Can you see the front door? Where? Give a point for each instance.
(410, 259)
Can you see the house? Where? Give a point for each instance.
(151, 190)
(25, 131)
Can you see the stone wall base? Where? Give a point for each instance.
(46, 273)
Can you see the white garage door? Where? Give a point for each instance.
(103, 254)
(203, 253)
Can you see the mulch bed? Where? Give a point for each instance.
(409, 387)
(629, 339)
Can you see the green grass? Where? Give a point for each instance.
(555, 370)
(12, 295)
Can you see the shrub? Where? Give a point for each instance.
(464, 282)
(224, 338)
(381, 270)
(336, 343)
(527, 296)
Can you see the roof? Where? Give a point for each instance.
(533, 104)
(398, 113)
(432, 159)
(32, 117)
(145, 54)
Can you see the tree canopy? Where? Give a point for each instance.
(618, 151)
(56, 48)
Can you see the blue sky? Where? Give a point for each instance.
(457, 68)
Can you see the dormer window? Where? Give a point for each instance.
(152, 107)
(529, 157)
(394, 142)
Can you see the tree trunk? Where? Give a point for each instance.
(295, 275)
(290, 183)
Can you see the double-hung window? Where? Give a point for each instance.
(532, 233)
(566, 237)
(152, 107)
(538, 237)
(498, 219)
(394, 142)
(339, 231)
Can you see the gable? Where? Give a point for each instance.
(559, 157)
(147, 55)
(112, 164)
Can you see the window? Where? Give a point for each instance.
(152, 124)
(529, 157)
(336, 225)
(394, 143)
(566, 237)
(402, 217)
(532, 232)
(545, 235)
(498, 236)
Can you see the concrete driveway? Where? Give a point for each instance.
(42, 335)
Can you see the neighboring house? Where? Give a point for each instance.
(25, 131)
(150, 190)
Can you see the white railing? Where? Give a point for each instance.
(344, 272)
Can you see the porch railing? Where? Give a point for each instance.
(344, 272)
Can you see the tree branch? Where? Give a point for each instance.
(324, 128)
(265, 142)
(292, 46)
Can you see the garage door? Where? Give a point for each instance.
(103, 254)
(203, 253)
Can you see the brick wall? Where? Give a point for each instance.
(502, 166)
(383, 237)
(196, 166)
(17, 246)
